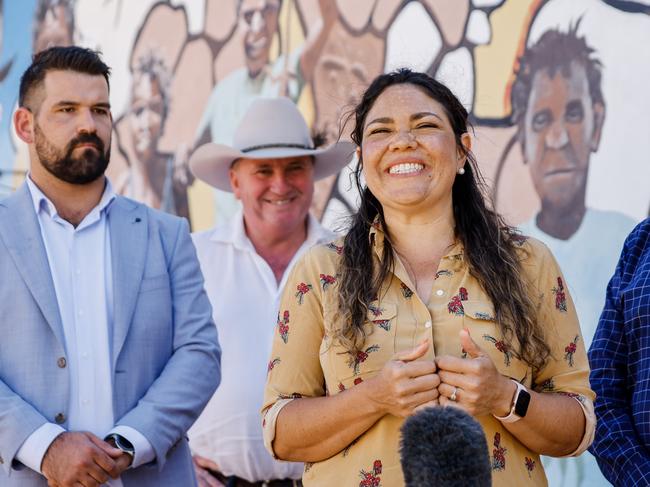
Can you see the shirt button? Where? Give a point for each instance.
(84, 355)
(61, 362)
(427, 324)
(439, 292)
(59, 418)
(78, 272)
(85, 401)
(80, 312)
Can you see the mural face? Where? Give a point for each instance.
(53, 30)
(146, 115)
(346, 66)
(259, 22)
(562, 127)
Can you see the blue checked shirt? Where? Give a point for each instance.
(620, 367)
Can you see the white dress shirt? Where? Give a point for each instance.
(245, 298)
(80, 264)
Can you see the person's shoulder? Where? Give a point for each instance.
(531, 250)
(324, 256)
(638, 241)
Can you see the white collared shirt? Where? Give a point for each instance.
(245, 298)
(80, 265)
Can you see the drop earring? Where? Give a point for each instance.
(461, 170)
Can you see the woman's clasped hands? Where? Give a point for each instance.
(407, 383)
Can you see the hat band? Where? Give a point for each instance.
(273, 146)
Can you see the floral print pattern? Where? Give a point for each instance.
(455, 306)
(336, 248)
(406, 291)
(272, 364)
(570, 350)
(383, 324)
(498, 454)
(530, 465)
(371, 478)
(560, 296)
(326, 281)
(518, 239)
(361, 357)
(375, 310)
(502, 347)
(283, 326)
(302, 289)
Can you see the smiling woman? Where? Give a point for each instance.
(429, 300)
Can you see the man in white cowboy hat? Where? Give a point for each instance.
(271, 169)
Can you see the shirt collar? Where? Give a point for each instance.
(234, 232)
(376, 237)
(43, 203)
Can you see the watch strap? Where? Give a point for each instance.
(517, 400)
(121, 443)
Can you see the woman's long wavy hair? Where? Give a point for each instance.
(490, 245)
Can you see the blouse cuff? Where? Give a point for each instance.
(587, 406)
(268, 424)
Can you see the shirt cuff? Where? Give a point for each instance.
(143, 451)
(587, 406)
(268, 424)
(33, 449)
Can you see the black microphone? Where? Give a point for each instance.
(444, 446)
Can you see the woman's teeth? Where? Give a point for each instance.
(406, 168)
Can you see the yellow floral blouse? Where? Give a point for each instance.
(305, 362)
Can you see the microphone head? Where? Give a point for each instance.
(444, 446)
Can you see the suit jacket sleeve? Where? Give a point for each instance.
(190, 377)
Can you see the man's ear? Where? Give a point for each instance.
(24, 125)
(234, 181)
(599, 120)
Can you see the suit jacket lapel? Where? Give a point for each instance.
(21, 233)
(128, 234)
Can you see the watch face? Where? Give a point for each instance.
(523, 400)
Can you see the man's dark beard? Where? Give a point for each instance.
(82, 169)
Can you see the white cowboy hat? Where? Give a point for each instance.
(271, 128)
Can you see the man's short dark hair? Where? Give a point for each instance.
(71, 58)
(555, 52)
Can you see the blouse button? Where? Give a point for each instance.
(61, 362)
(59, 418)
(427, 324)
(440, 292)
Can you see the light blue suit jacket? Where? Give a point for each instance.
(164, 344)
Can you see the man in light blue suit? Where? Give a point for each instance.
(108, 352)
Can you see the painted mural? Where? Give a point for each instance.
(557, 93)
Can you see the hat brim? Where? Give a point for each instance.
(211, 162)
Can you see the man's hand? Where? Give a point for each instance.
(202, 467)
(123, 461)
(80, 458)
